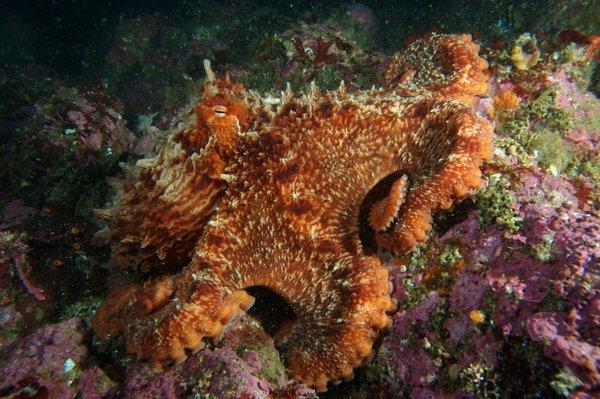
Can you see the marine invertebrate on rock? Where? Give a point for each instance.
(14, 251)
(506, 100)
(590, 42)
(506, 303)
(318, 55)
(384, 211)
(321, 52)
(525, 54)
(245, 365)
(170, 195)
(248, 194)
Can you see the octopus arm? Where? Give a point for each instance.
(163, 207)
(439, 66)
(446, 154)
(340, 308)
(166, 201)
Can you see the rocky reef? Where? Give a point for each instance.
(481, 301)
(502, 299)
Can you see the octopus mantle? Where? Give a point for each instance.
(249, 193)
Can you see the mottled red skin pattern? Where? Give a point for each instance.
(253, 194)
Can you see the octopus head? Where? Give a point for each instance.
(221, 115)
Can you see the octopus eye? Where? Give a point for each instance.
(219, 111)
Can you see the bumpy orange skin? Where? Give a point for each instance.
(385, 211)
(273, 196)
(440, 66)
(164, 205)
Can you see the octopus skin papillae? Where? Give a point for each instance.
(251, 192)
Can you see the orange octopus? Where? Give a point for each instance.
(251, 192)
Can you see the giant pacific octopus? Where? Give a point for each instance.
(295, 195)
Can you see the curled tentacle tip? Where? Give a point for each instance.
(384, 212)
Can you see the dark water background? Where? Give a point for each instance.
(73, 36)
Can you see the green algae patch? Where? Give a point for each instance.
(495, 204)
(480, 380)
(86, 309)
(414, 293)
(272, 368)
(565, 382)
(540, 130)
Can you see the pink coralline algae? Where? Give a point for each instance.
(228, 375)
(55, 362)
(13, 257)
(583, 107)
(99, 123)
(10, 318)
(44, 363)
(537, 286)
(95, 384)
(245, 365)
